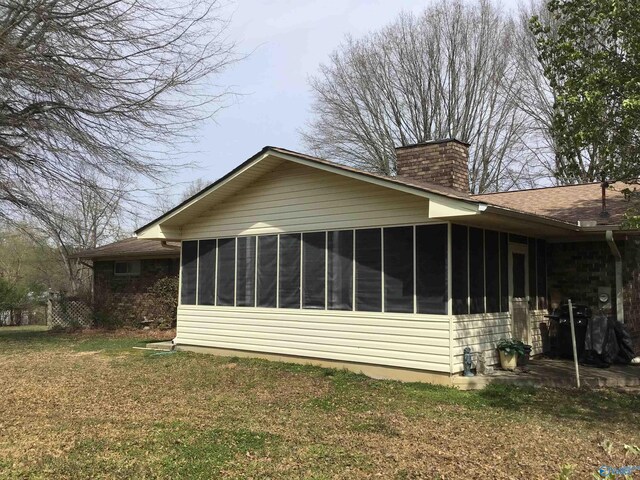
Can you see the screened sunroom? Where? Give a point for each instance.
(296, 258)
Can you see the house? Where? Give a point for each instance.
(292, 256)
(123, 272)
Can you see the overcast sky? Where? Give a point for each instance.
(288, 40)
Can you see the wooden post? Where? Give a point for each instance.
(573, 341)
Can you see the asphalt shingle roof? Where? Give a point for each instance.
(133, 247)
(570, 203)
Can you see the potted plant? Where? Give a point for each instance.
(509, 350)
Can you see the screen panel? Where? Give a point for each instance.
(246, 272)
(431, 269)
(289, 270)
(476, 270)
(206, 272)
(340, 270)
(519, 277)
(492, 273)
(226, 272)
(541, 272)
(313, 269)
(459, 269)
(267, 271)
(504, 272)
(369, 270)
(189, 272)
(533, 297)
(398, 269)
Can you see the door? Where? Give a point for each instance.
(518, 288)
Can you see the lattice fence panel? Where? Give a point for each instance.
(63, 312)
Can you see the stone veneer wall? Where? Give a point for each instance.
(576, 270)
(125, 299)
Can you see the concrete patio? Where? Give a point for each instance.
(558, 373)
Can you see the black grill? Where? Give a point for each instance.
(561, 338)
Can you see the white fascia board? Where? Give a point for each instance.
(158, 232)
(446, 208)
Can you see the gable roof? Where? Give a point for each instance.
(281, 154)
(558, 208)
(132, 248)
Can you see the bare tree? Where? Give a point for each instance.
(536, 98)
(83, 218)
(449, 72)
(101, 89)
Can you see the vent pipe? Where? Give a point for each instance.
(604, 184)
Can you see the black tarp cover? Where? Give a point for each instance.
(607, 341)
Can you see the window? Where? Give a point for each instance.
(459, 267)
(492, 267)
(246, 272)
(130, 268)
(398, 269)
(290, 271)
(476, 270)
(206, 272)
(189, 272)
(267, 270)
(340, 270)
(226, 272)
(369, 270)
(313, 269)
(431, 269)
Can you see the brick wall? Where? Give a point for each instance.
(576, 270)
(125, 299)
(444, 163)
(631, 294)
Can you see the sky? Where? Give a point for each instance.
(286, 41)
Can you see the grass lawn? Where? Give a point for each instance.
(87, 405)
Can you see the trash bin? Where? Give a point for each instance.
(581, 317)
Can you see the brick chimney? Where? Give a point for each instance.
(443, 162)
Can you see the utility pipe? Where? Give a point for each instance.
(618, 262)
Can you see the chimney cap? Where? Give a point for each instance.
(434, 142)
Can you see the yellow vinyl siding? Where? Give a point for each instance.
(481, 333)
(537, 317)
(295, 197)
(399, 340)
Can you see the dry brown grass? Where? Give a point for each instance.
(88, 405)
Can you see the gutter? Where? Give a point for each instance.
(618, 260)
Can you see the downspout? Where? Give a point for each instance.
(618, 259)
